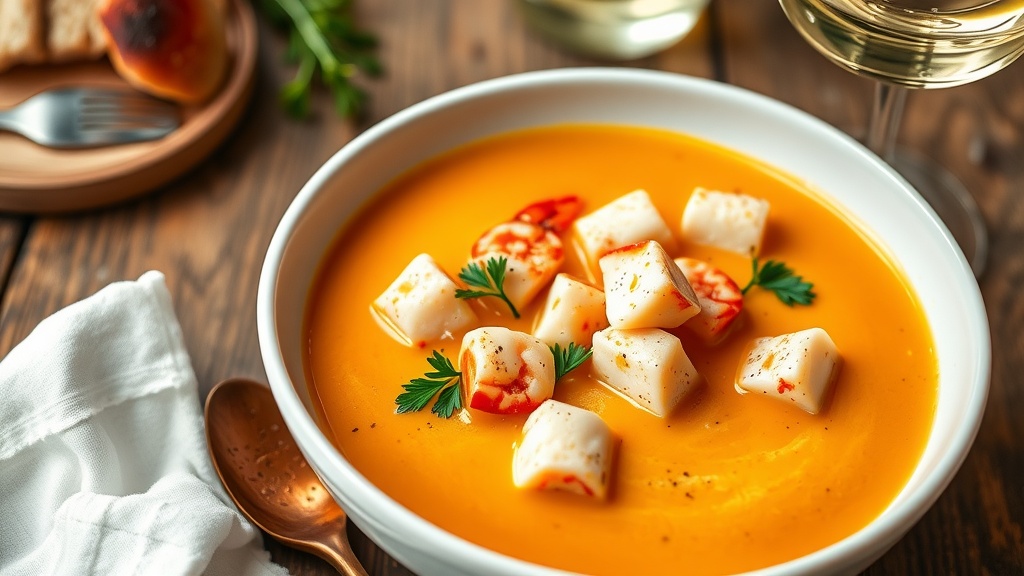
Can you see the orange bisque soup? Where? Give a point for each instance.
(727, 482)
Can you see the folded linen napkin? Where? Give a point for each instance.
(103, 461)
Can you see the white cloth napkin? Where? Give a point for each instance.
(103, 461)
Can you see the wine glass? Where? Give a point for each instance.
(917, 44)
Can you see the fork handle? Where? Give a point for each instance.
(9, 122)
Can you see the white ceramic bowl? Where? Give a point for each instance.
(752, 124)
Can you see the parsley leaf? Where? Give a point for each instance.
(444, 379)
(780, 279)
(488, 282)
(569, 358)
(448, 402)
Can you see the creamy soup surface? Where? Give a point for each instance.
(727, 482)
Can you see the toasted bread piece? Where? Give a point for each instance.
(74, 30)
(174, 49)
(21, 32)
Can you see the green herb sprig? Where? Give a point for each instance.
(322, 36)
(445, 381)
(780, 279)
(489, 281)
(569, 358)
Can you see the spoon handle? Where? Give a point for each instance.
(337, 551)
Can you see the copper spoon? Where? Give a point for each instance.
(268, 478)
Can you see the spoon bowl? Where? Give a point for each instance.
(267, 476)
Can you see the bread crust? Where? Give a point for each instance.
(55, 31)
(74, 31)
(174, 49)
(21, 33)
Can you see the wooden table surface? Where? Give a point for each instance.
(208, 230)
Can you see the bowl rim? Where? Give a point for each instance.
(869, 542)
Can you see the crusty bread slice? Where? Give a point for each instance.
(21, 32)
(75, 30)
(178, 52)
(33, 31)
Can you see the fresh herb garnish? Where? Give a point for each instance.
(444, 379)
(323, 37)
(780, 279)
(569, 358)
(489, 281)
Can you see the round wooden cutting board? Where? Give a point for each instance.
(36, 179)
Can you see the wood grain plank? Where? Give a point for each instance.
(12, 234)
(432, 46)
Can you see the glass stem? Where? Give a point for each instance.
(886, 114)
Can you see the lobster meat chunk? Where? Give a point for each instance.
(573, 311)
(720, 299)
(799, 368)
(626, 220)
(505, 371)
(534, 255)
(733, 222)
(564, 448)
(646, 365)
(420, 305)
(645, 289)
(556, 215)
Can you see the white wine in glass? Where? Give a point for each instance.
(917, 44)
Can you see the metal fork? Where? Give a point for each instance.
(90, 117)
